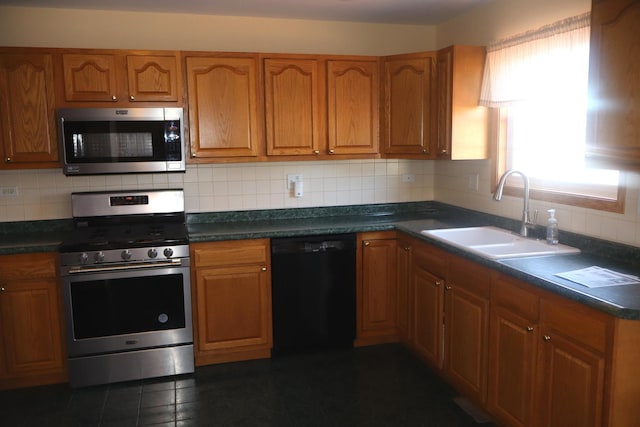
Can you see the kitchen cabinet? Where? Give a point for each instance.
(462, 125)
(428, 269)
(514, 339)
(120, 78)
(231, 300)
(224, 108)
(294, 106)
(28, 137)
(613, 131)
(30, 324)
(571, 376)
(353, 106)
(376, 290)
(409, 96)
(321, 106)
(467, 327)
(404, 293)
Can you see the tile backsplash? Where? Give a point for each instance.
(45, 194)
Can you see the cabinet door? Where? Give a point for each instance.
(90, 77)
(404, 292)
(234, 308)
(514, 338)
(294, 107)
(223, 107)
(512, 367)
(29, 321)
(353, 106)
(572, 383)
(462, 125)
(377, 307)
(427, 327)
(467, 327)
(408, 91)
(27, 111)
(153, 78)
(613, 135)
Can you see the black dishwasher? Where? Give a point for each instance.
(314, 292)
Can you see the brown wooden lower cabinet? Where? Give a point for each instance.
(231, 288)
(31, 350)
(529, 357)
(466, 320)
(376, 275)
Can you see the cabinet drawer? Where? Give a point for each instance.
(469, 275)
(28, 266)
(430, 258)
(514, 296)
(576, 321)
(227, 253)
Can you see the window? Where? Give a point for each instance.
(537, 83)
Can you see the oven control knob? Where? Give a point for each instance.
(99, 256)
(83, 258)
(152, 253)
(168, 252)
(126, 255)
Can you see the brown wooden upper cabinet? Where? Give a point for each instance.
(408, 105)
(27, 111)
(613, 133)
(319, 106)
(353, 88)
(224, 109)
(121, 78)
(462, 124)
(294, 106)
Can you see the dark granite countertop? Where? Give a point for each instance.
(410, 218)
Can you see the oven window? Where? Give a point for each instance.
(127, 305)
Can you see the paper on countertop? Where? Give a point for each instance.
(597, 277)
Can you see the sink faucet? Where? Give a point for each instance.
(526, 223)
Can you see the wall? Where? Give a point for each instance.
(44, 194)
(496, 20)
(45, 27)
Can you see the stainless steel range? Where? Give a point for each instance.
(126, 284)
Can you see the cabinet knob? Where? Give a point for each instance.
(263, 269)
(2, 289)
(529, 328)
(547, 338)
(443, 151)
(132, 98)
(193, 155)
(367, 243)
(448, 288)
(438, 283)
(424, 151)
(7, 160)
(114, 98)
(316, 152)
(331, 152)
(407, 248)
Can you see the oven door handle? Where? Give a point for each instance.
(170, 263)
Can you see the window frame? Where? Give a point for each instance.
(499, 159)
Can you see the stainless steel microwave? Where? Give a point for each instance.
(98, 141)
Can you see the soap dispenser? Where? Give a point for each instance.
(552, 228)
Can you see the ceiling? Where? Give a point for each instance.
(413, 12)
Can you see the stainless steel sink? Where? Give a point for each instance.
(496, 243)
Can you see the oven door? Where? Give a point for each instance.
(127, 309)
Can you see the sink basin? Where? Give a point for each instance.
(496, 243)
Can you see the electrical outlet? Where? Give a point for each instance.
(472, 183)
(8, 191)
(291, 179)
(408, 178)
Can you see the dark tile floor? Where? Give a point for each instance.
(373, 386)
